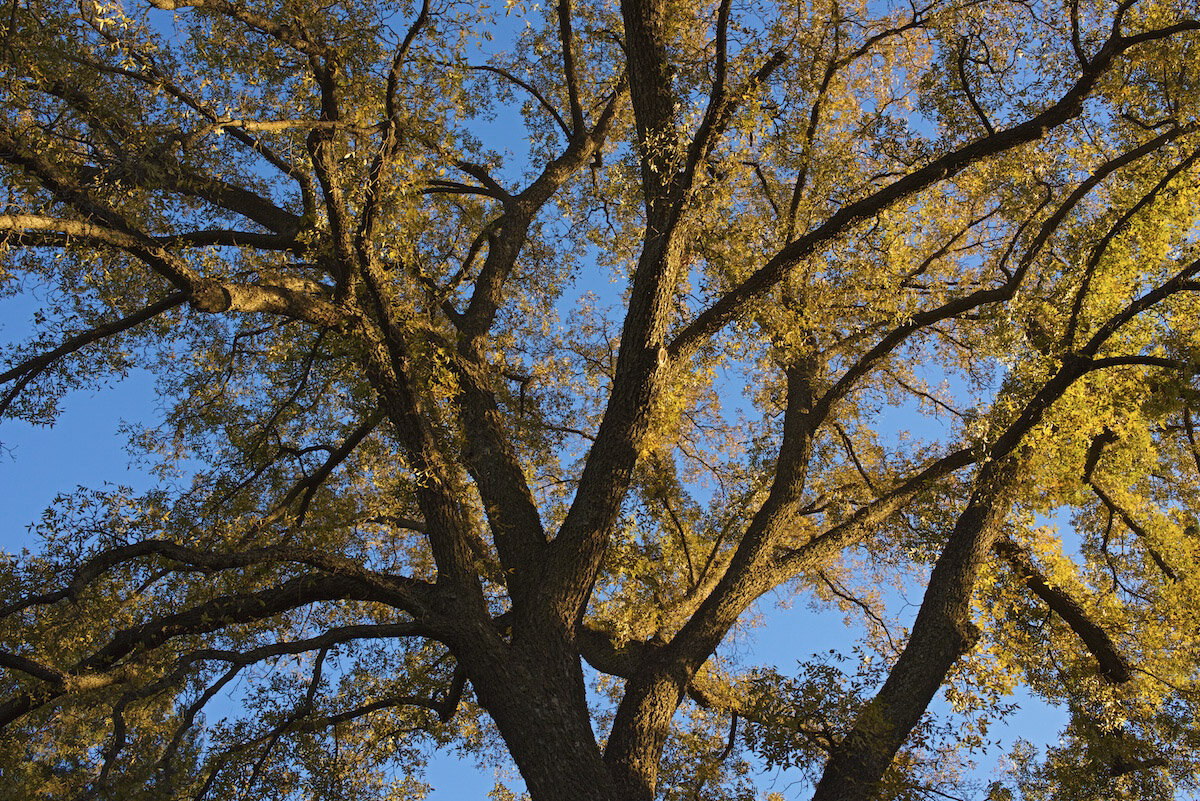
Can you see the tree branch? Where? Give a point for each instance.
(730, 304)
(1113, 666)
(30, 369)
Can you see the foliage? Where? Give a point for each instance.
(493, 341)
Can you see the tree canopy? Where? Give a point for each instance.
(510, 358)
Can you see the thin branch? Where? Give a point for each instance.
(845, 595)
(1116, 228)
(307, 488)
(1141, 533)
(679, 530)
(32, 368)
(966, 87)
(398, 58)
(849, 447)
(1068, 106)
(503, 73)
(1190, 429)
(765, 184)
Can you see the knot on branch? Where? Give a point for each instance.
(211, 297)
(176, 5)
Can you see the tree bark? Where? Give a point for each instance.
(535, 694)
(942, 634)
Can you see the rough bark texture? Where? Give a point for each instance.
(942, 633)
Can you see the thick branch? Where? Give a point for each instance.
(941, 634)
(732, 303)
(30, 369)
(204, 618)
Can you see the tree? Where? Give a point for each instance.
(419, 483)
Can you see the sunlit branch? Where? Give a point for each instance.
(1155, 34)
(294, 37)
(729, 305)
(289, 297)
(1101, 247)
(34, 230)
(1136, 528)
(862, 522)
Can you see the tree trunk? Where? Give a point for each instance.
(537, 698)
(941, 635)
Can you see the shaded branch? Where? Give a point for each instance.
(941, 634)
(570, 75)
(531, 89)
(405, 593)
(1113, 665)
(30, 369)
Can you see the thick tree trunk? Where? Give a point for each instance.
(537, 698)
